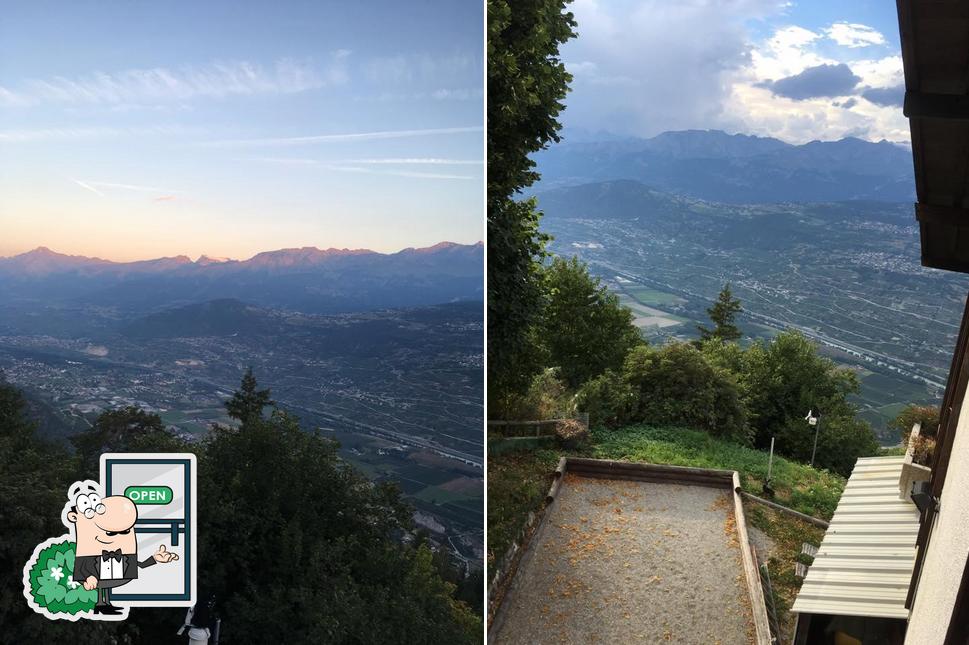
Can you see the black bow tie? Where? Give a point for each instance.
(107, 555)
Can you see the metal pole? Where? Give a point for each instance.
(816, 431)
(770, 463)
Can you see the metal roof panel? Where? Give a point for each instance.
(865, 561)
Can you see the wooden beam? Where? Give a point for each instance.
(942, 229)
(947, 215)
(919, 105)
(906, 32)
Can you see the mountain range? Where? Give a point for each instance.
(737, 168)
(304, 279)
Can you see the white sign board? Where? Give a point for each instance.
(163, 488)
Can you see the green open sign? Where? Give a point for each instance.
(149, 494)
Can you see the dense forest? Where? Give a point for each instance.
(294, 543)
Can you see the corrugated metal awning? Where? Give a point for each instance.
(864, 564)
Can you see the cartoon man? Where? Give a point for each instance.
(107, 551)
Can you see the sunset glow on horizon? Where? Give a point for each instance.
(211, 131)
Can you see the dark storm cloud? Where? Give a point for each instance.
(885, 96)
(642, 67)
(814, 82)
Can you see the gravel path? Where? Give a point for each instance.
(623, 561)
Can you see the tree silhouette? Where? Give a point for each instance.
(723, 313)
(248, 402)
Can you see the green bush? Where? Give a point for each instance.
(52, 584)
(608, 399)
(676, 385)
(545, 398)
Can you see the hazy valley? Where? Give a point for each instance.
(846, 273)
(383, 353)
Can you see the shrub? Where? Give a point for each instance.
(608, 399)
(923, 449)
(676, 385)
(927, 416)
(546, 398)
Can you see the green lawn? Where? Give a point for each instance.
(805, 489)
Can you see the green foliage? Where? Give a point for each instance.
(676, 385)
(51, 581)
(248, 401)
(584, 328)
(608, 399)
(517, 484)
(926, 415)
(129, 429)
(805, 489)
(271, 488)
(527, 83)
(788, 534)
(784, 378)
(34, 478)
(724, 355)
(293, 541)
(545, 398)
(723, 313)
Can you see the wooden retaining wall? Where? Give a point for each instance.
(505, 567)
(656, 473)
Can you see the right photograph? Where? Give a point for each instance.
(727, 322)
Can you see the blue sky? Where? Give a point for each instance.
(797, 70)
(134, 130)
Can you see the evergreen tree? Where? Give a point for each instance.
(298, 544)
(294, 543)
(248, 402)
(723, 313)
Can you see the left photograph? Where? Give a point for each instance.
(242, 322)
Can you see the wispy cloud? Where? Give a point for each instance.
(400, 173)
(389, 161)
(94, 187)
(160, 84)
(368, 166)
(132, 187)
(459, 94)
(87, 186)
(60, 134)
(345, 137)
